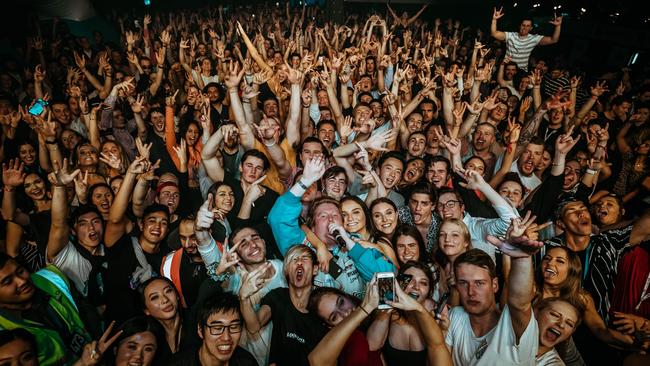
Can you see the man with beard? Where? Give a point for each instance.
(295, 331)
(216, 94)
(483, 138)
(352, 265)
(249, 250)
(184, 266)
(479, 331)
(42, 303)
(525, 165)
(132, 260)
(80, 258)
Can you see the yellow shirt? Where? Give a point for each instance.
(273, 180)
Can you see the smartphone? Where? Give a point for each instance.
(386, 287)
(442, 303)
(335, 270)
(38, 107)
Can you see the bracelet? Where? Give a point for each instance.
(9, 189)
(301, 184)
(222, 277)
(51, 142)
(594, 97)
(591, 172)
(364, 310)
(269, 145)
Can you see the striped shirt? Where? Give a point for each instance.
(599, 264)
(519, 48)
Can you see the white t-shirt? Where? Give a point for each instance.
(75, 266)
(550, 358)
(498, 347)
(530, 183)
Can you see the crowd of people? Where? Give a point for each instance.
(226, 185)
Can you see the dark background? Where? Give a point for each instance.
(595, 40)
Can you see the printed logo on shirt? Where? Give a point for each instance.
(292, 335)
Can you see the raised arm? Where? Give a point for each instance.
(117, 220)
(59, 229)
(557, 22)
(520, 285)
(496, 15)
(251, 48)
(233, 79)
(329, 348)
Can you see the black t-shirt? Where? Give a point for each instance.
(240, 357)
(192, 276)
(122, 300)
(258, 217)
(159, 151)
(295, 334)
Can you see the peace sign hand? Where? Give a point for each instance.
(94, 351)
(228, 259)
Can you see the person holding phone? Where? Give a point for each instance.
(397, 334)
(348, 318)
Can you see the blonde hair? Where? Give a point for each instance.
(297, 251)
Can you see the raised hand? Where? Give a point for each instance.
(81, 187)
(229, 258)
(599, 89)
(314, 169)
(517, 246)
(474, 180)
(13, 175)
(254, 191)
(453, 145)
(170, 100)
(205, 215)
(345, 130)
(376, 142)
(234, 77)
(111, 160)
(497, 14)
(253, 281)
(94, 350)
(181, 152)
(362, 157)
(144, 149)
(566, 142)
(556, 21)
(61, 176)
(139, 165)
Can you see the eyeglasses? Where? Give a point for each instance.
(448, 204)
(219, 328)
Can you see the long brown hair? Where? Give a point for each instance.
(570, 289)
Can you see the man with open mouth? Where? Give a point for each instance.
(352, 265)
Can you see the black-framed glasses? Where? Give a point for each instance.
(218, 329)
(448, 204)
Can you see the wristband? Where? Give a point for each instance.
(592, 171)
(9, 189)
(51, 142)
(364, 310)
(301, 184)
(269, 145)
